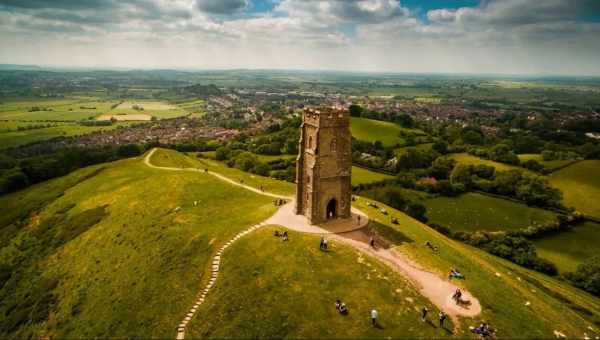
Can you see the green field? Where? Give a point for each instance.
(119, 250)
(473, 211)
(105, 253)
(67, 109)
(365, 176)
(78, 108)
(502, 288)
(549, 165)
(580, 184)
(370, 130)
(273, 289)
(568, 249)
(16, 138)
(465, 158)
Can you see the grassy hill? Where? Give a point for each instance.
(275, 289)
(473, 211)
(580, 184)
(103, 252)
(370, 130)
(570, 248)
(502, 288)
(119, 250)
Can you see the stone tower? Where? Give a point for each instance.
(323, 169)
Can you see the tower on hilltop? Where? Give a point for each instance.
(323, 169)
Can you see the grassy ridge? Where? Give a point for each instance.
(473, 211)
(136, 270)
(553, 306)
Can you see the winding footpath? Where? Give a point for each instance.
(430, 285)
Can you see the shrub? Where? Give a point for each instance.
(587, 276)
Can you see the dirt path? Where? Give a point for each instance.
(438, 290)
(217, 175)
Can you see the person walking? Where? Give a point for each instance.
(374, 316)
(424, 312)
(442, 316)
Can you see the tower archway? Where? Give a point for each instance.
(331, 209)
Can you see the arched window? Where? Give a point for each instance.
(333, 145)
(310, 142)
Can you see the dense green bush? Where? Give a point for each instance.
(587, 276)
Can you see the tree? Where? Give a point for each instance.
(417, 211)
(129, 150)
(473, 138)
(440, 146)
(461, 174)
(442, 167)
(355, 110)
(587, 276)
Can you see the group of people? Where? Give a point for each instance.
(431, 246)
(441, 316)
(323, 244)
(482, 330)
(341, 307)
(455, 274)
(284, 235)
(279, 202)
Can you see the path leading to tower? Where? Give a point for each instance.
(438, 290)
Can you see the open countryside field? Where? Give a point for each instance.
(107, 253)
(465, 158)
(568, 249)
(16, 138)
(473, 211)
(364, 176)
(67, 109)
(370, 130)
(580, 184)
(156, 109)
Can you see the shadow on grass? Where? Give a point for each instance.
(392, 235)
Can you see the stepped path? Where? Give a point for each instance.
(348, 231)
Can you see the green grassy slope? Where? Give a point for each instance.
(364, 176)
(173, 158)
(554, 305)
(473, 211)
(580, 183)
(273, 289)
(105, 253)
(568, 249)
(370, 130)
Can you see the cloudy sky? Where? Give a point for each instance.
(457, 36)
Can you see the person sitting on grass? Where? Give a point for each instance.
(455, 274)
(285, 236)
(341, 307)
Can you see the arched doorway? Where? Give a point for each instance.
(332, 209)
